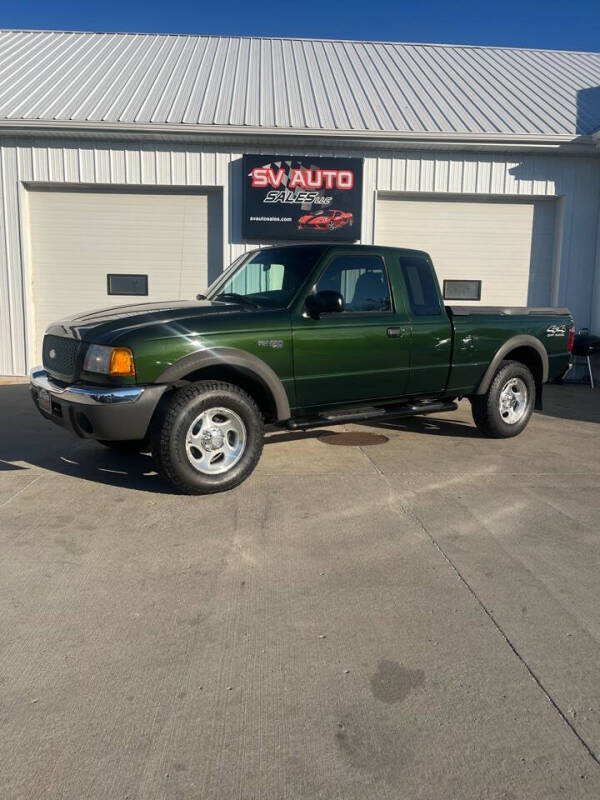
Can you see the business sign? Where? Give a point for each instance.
(289, 197)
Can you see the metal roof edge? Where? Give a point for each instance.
(334, 39)
(153, 131)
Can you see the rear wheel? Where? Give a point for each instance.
(209, 439)
(506, 408)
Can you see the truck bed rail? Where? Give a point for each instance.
(508, 311)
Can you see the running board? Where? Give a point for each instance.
(340, 417)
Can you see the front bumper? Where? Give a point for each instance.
(96, 412)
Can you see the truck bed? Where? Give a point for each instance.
(480, 331)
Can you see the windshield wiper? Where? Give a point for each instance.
(236, 298)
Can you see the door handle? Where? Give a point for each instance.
(397, 333)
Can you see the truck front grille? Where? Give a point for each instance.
(60, 355)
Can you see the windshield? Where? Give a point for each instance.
(268, 278)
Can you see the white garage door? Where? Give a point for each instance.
(509, 246)
(77, 238)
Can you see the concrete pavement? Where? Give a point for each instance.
(413, 619)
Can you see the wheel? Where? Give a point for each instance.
(506, 408)
(209, 439)
(331, 226)
(126, 445)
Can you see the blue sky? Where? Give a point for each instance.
(524, 23)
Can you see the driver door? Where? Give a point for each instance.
(359, 354)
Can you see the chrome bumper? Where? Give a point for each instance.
(84, 395)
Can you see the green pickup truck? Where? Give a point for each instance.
(294, 336)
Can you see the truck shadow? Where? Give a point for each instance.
(577, 402)
(431, 426)
(27, 440)
(279, 436)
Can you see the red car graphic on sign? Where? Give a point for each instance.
(329, 220)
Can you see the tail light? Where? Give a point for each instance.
(571, 338)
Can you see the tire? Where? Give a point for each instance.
(209, 439)
(506, 408)
(126, 445)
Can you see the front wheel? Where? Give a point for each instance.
(209, 439)
(506, 408)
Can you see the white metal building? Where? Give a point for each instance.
(121, 153)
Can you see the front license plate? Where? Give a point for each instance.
(44, 401)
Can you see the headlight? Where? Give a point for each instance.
(117, 361)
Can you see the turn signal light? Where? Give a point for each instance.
(571, 338)
(121, 362)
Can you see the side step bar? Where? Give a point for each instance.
(359, 415)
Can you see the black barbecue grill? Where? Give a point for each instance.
(586, 346)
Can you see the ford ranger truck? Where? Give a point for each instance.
(296, 336)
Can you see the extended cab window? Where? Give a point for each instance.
(422, 288)
(361, 280)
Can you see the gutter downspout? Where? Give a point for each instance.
(595, 310)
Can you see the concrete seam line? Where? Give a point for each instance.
(373, 464)
(413, 515)
(16, 494)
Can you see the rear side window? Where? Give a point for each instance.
(421, 285)
(361, 280)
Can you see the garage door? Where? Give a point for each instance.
(78, 238)
(509, 246)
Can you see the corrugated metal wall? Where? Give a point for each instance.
(575, 179)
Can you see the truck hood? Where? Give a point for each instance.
(116, 320)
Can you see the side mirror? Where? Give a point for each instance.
(325, 302)
(200, 297)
